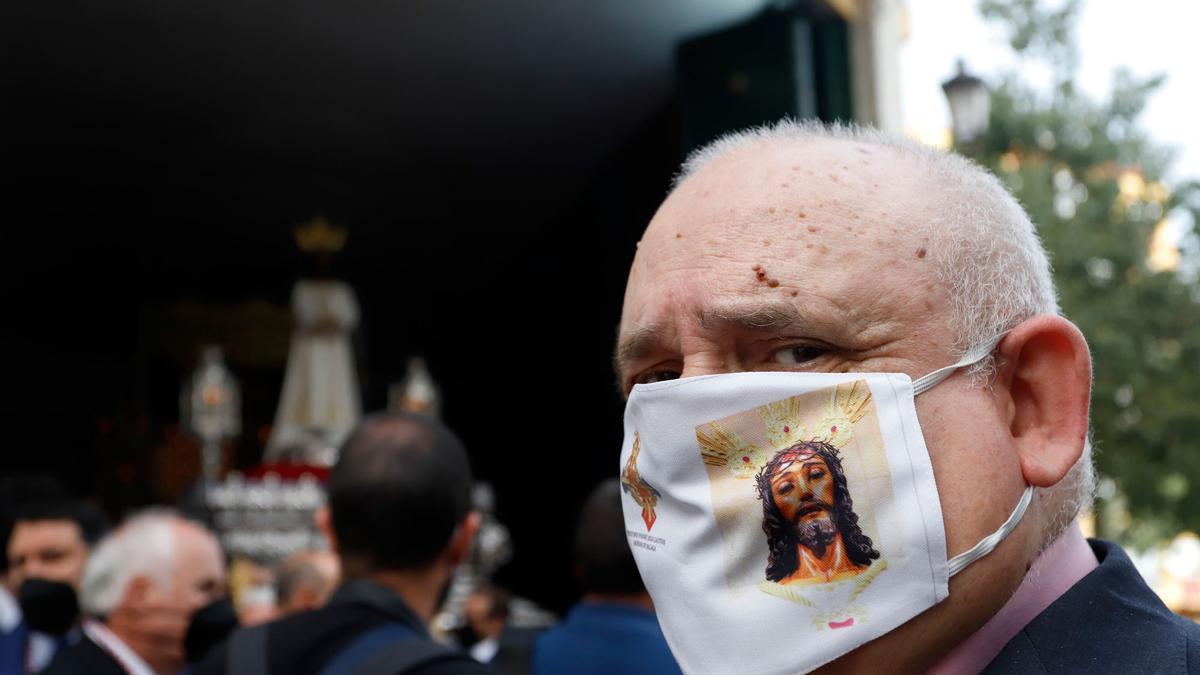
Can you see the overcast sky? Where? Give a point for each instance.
(1150, 36)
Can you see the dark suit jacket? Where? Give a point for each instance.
(1109, 622)
(83, 658)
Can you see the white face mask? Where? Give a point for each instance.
(780, 520)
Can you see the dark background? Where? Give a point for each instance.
(495, 163)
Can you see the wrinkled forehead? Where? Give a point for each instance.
(827, 220)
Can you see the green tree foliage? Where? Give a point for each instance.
(1092, 179)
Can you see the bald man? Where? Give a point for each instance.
(814, 249)
(305, 580)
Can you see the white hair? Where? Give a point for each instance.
(984, 250)
(144, 545)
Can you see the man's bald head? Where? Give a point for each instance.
(305, 580)
(982, 246)
(400, 487)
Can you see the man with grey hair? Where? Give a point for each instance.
(810, 248)
(140, 588)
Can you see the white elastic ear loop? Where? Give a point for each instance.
(988, 543)
(926, 382)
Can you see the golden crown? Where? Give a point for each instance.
(320, 236)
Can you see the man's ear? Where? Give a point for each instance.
(460, 542)
(1048, 373)
(324, 523)
(139, 592)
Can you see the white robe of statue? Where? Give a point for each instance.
(320, 403)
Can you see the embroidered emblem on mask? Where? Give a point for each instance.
(635, 486)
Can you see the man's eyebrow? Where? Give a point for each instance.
(753, 316)
(637, 345)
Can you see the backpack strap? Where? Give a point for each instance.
(349, 658)
(247, 652)
(388, 650)
(408, 655)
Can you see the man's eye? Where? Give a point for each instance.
(798, 354)
(656, 376)
(816, 474)
(785, 488)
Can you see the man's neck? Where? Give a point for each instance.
(421, 590)
(129, 648)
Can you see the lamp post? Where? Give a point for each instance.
(970, 105)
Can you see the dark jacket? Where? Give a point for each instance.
(1108, 622)
(601, 638)
(83, 658)
(303, 644)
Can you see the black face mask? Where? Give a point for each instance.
(466, 636)
(209, 626)
(48, 606)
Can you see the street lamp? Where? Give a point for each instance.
(970, 104)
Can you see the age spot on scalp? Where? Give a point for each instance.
(800, 215)
(679, 235)
(794, 293)
(812, 228)
(773, 283)
(921, 252)
(771, 210)
(766, 242)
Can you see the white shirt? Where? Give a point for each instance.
(485, 650)
(125, 657)
(10, 611)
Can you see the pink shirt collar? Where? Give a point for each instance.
(1056, 570)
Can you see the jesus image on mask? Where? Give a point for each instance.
(812, 531)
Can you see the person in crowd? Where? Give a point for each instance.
(141, 591)
(399, 518)
(486, 612)
(613, 628)
(829, 249)
(49, 542)
(305, 580)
